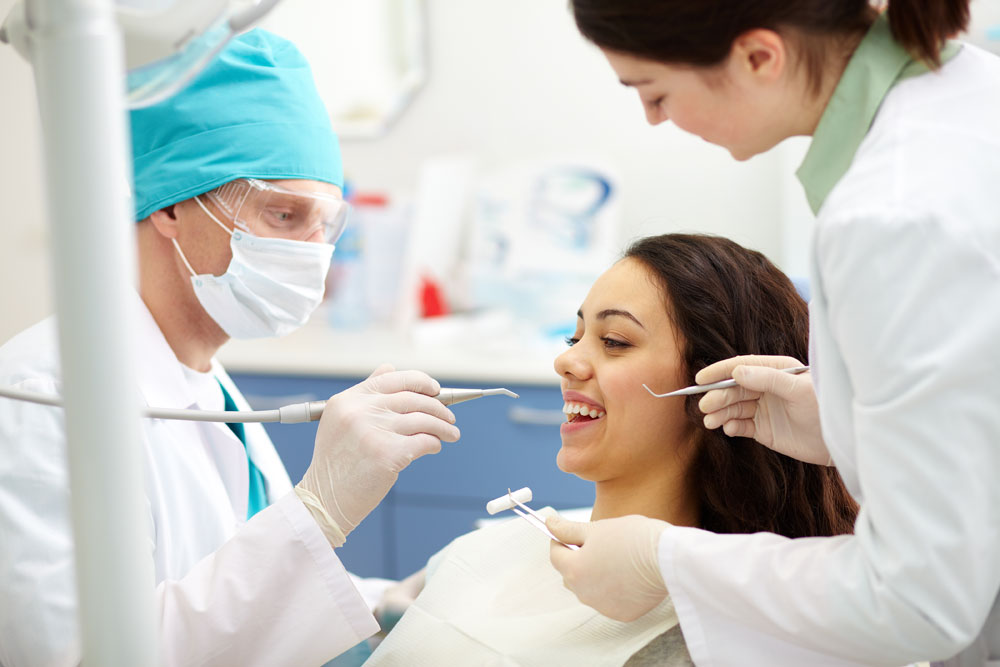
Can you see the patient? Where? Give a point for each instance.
(671, 306)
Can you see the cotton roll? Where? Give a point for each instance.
(504, 502)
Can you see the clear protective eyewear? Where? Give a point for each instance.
(270, 211)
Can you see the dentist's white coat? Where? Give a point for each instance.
(905, 337)
(266, 592)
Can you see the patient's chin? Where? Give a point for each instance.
(576, 462)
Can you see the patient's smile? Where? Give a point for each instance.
(578, 411)
(623, 336)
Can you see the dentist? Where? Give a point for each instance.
(902, 173)
(238, 202)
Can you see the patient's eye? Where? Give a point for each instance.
(614, 343)
(572, 340)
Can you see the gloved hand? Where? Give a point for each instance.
(397, 599)
(778, 410)
(366, 436)
(617, 569)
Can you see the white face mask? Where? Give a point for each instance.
(271, 287)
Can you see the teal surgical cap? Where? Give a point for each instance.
(253, 112)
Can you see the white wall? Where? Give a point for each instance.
(507, 81)
(513, 79)
(24, 267)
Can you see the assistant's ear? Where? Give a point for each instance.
(761, 54)
(165, 221)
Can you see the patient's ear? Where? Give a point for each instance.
(165, 221)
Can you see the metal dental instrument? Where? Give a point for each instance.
(295, 413)
(450, 396)
(513, 501)
(724, 384)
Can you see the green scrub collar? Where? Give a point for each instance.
(876, 66)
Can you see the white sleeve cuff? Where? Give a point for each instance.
(336, 578)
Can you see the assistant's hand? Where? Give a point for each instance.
(366, 436)
(616, 570)
(397, 599)
(776, 409)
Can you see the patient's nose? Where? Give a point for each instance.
(573, 364)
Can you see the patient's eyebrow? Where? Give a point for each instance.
(613, 312)
(634, 83)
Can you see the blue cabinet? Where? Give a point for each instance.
(505, 443)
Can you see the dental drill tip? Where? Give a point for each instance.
(450, 396)
(500, 392)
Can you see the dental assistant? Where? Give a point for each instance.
(238, 201)
(903, 173)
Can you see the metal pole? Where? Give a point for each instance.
(79, 71)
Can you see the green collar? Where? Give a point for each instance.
(876, 66)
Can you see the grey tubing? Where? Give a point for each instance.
(242, 416)
(157, 413)
(287, 414)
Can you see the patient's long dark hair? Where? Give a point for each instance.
(726, 300)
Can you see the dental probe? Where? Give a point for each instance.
(724, 384)
(288, 414)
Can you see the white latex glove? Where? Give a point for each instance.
(366, 436)
(397, 599)
(778, 410)
(617, 569)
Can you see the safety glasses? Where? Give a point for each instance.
(268, 210)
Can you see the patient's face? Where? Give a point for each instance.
(623, 338)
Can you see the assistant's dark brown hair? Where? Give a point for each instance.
(701, 32)
(725, 300)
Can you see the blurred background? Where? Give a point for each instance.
(456, 96)
(496, 167)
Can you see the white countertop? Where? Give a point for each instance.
(445, 348)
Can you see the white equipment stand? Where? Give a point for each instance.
(75, 47)
(79, 73)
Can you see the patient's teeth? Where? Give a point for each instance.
(581, 409)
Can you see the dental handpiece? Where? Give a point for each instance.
(447, 396)
(295, 413)
(450, 396)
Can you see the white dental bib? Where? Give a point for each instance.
(493, 598)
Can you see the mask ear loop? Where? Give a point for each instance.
(204, 208)
(177, 246)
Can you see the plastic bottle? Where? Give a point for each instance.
(346, 302)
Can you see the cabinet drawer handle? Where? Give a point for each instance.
(535, 416)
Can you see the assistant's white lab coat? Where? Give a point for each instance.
(266, 592)
(905, 336)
